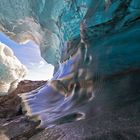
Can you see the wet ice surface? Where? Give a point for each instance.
(98, 42)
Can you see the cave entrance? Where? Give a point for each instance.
(28, 53)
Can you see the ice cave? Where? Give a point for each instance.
(69, 69)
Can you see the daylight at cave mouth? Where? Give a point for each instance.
(69, 69)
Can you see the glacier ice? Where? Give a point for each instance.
(96, 43)
(11, 70)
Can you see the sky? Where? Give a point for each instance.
(29, 54)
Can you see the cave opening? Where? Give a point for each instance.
(28, 53)
(94, 48)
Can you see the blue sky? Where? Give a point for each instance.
(29, 54)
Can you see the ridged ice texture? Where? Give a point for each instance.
(11, 70)
(99, 68)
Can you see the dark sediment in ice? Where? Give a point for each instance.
(10, 104)
(13, 124)
(99, 64)
(97, 82)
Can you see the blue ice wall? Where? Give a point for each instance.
(97, 46)
(60, 21)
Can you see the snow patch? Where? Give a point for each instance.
(11, 70)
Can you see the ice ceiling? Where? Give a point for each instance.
(94, 46)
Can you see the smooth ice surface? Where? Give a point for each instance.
(94, 45)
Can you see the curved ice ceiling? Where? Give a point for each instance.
(94, 44)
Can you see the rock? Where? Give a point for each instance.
(3, 137)
(10, 104)
(27, 86)
(13, 125)
(18, 128)
(108, 127)
(95, 92)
